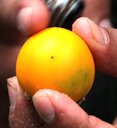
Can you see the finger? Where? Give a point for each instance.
(102, 43)
(97, 11)
(60, 111)
(33, 17)
(28, 16)
(105, 23)
(22, 113)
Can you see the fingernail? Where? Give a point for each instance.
(89, 31)
(14, 92)
(105, 23)
(44, 107)
(24, 18)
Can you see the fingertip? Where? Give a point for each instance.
(64, 111)
(82, 27)
(40, 17)
(55, 108)
(33, 17)
(99, 41)
(44, 106)
(90, 31)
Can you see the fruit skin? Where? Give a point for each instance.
(56, 58)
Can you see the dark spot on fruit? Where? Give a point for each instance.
(52, 57)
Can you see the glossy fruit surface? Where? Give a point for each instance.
(56, 58)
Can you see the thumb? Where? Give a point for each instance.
(60, 111)
(29, 16)
(102, 43)
(33, 16)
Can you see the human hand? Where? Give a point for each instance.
(98, 11)
(18, 19)
(53, 110)
(24, 15)
(102, 43)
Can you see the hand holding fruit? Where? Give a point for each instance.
(62, 116)
(56, 108)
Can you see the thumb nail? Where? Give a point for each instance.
(89, 31)
(44, 106)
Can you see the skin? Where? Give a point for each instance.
(101, 42)
(19, 27)
(49, 108)
(12, 36)
(98, 11)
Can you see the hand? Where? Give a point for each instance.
(18, 19)
(102, 43)
(98, 11)
(56, 110)
(27, 16)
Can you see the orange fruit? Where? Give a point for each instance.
(56, 58)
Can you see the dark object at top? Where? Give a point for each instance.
(64, 12)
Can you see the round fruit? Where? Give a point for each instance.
(56, 58)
